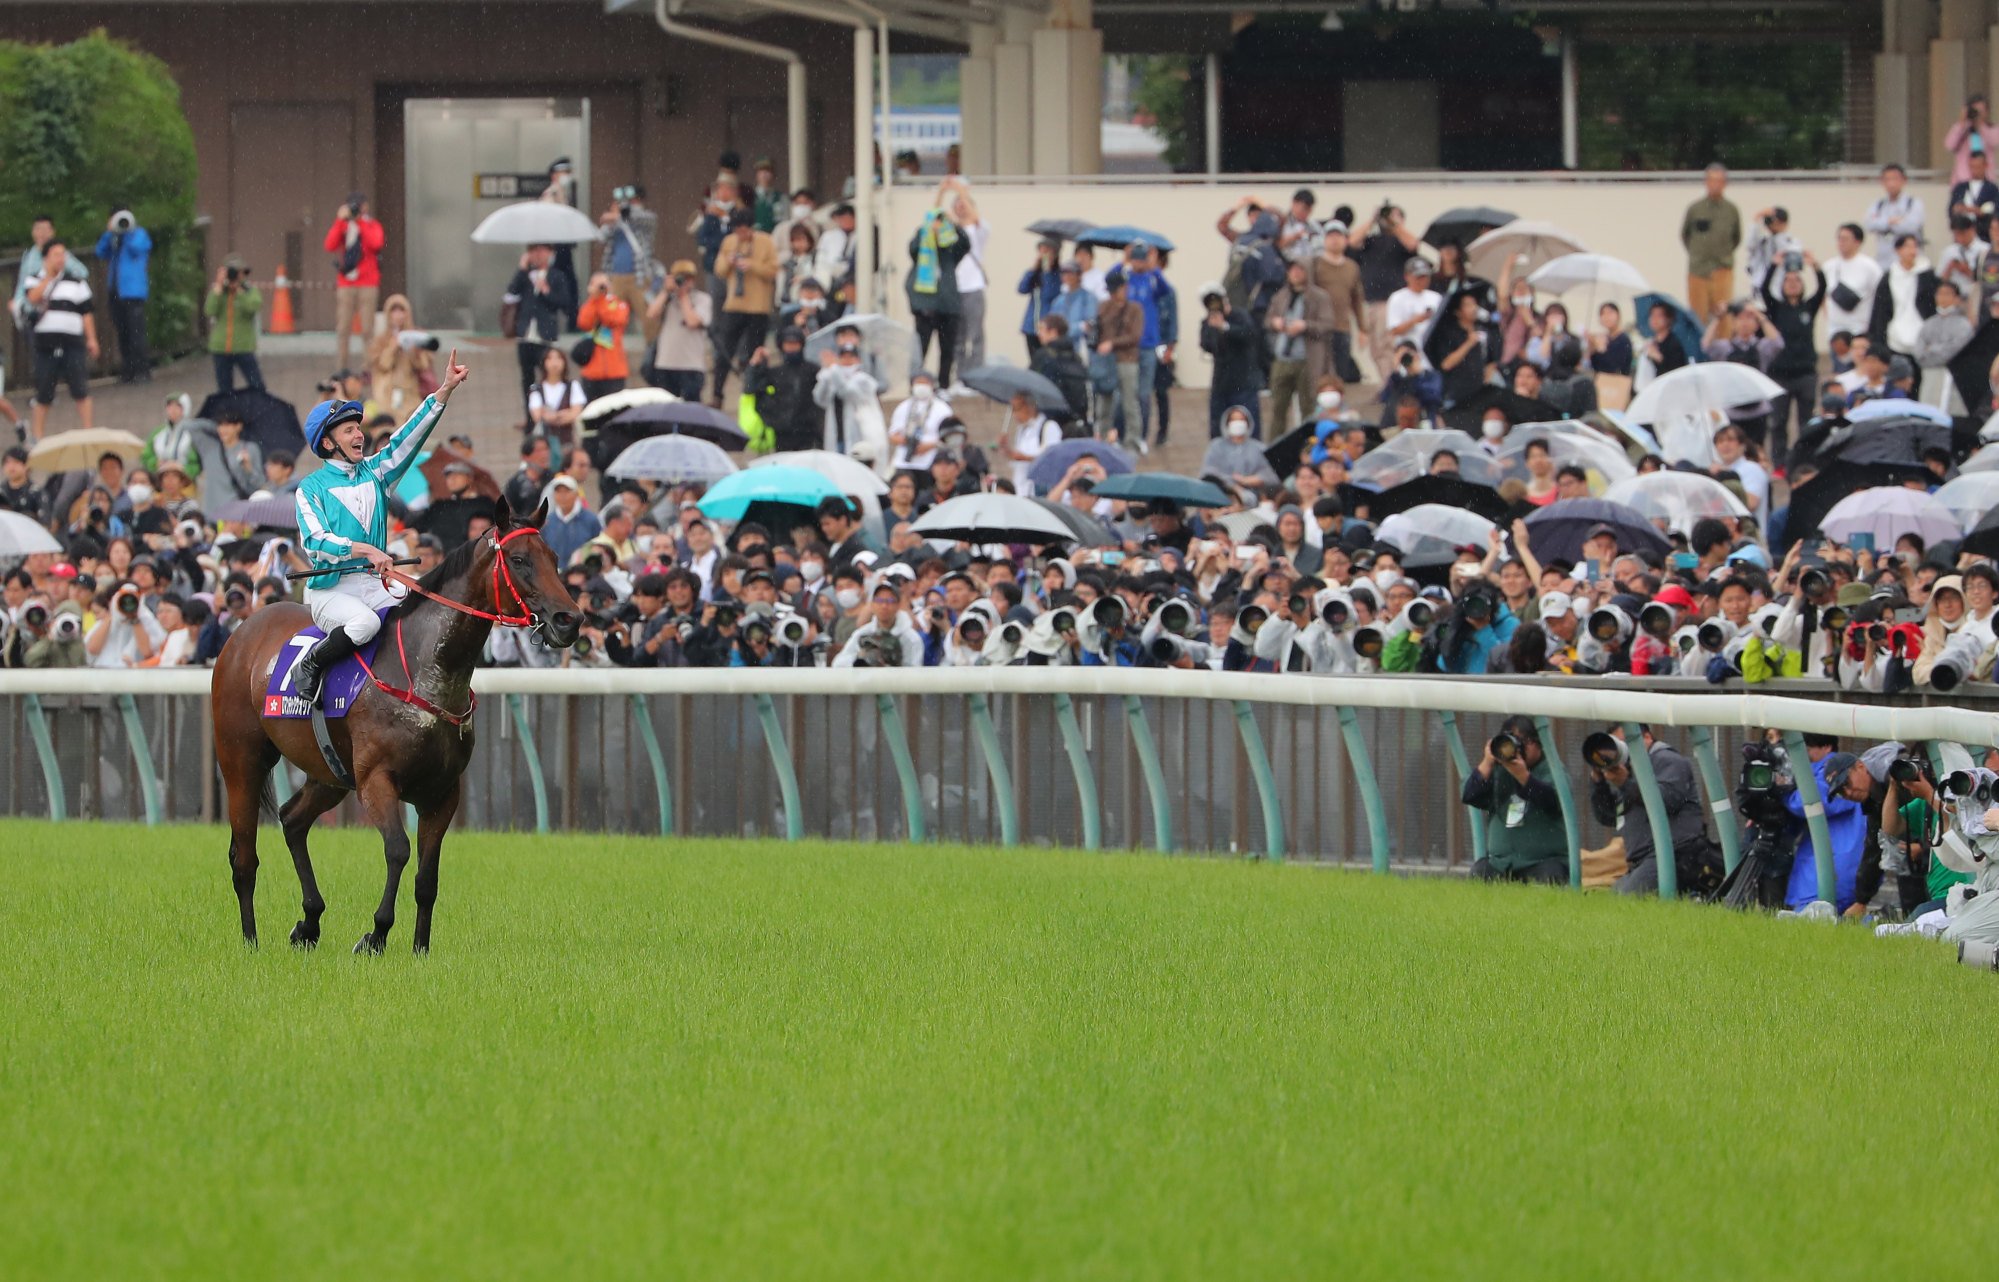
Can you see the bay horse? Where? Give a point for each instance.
(407, 736)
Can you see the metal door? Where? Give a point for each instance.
(451, 144)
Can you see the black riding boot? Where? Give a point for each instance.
(319, 661)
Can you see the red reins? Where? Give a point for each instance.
(525, 618)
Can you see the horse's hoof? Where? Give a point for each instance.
(420, 950)
(368, 945)
(250, 942)
(303, 938)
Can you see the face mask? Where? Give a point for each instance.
(1384, 579)
(1238, 429)
(1523, 300)
(1329, 400)
(800, 210)
(1494, 429)
(920, 392)
(795, 358)
(1558, 325)
(812, 571)
(139, 493)
(644, 544)
(848, 598)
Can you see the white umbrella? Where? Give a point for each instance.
(1896, 407)
(24, 536)
(1568, 442)
(1888, 512)
(1986, 460)
(80, 448)
(617, 402)
(1541, 242)
(672, 458)
(1969, 495)
(535, 222)
(993, 518)
(1677, 498)
(1709, 390)
(1597, 271)
(850, 474)
(1431, 533)
(1408, 456)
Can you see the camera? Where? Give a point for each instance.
(122, 221)
(581, 646)
(236, 599)
(1656, 620)
(35, 615)
(1251, 618)
(1816, 584)
(234, 275)
(791, 630)
(726, 616)
(879, 650)
(1419, 615)
(1793, 261)
(67, 627)
(416, 340)
(1368, 642)
(1012, 633)
(1336, 614)
(1908, 769)
(1062, 620)
(1609, 626)
(1604, 751)
(1714, 635)
(128, 603)
(1177, 617)
(1960, 655)
(1505, 747)
(1760, 795)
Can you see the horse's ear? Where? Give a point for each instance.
(540, 517)
(503, 514)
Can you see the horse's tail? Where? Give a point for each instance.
(267, 796)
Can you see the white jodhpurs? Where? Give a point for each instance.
(350, 605)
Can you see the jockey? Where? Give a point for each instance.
(343, 518)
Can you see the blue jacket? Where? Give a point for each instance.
(1476, 653)
(1041, 289)
(1078, 307)
(1168, 303)
(1846, 825)
(125, 257)
(1143, 288)
(341, 504)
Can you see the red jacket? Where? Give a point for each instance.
(369, 274)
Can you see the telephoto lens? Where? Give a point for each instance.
(1814, 583)
(1504, 746)
(1905, 770)
(1335, 614)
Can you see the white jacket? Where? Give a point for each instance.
(903, 631)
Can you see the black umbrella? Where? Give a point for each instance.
(1984, 537)
(1000, 382)
(277, 513)
(688, 418)
(1971, 369)
(1812, 499)
(1089, 531)
(273, 424)
(1465, 225)
(1901, 439)
(1449, 490)
(1061, 228)
(1468, 413)
(1557, 532)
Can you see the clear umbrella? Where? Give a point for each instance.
(1567, 443)
(1986, 460)
(1969, 495)
(24, 536)
(854, 477)
(1596, 271)
(535, 222)
(888, 347)
(1686, 406)
(1676, 499)
(672, 459)
(1888, 512)
(1408, 456)
(1431, 533)
(1541, 243)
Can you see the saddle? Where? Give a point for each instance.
(338, 692)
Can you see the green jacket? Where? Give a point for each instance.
(1763, 659)
(1711, 231)
(232, 319)
(1526, 824)
(1399, 653)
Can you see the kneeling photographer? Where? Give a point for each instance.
(1524, 837)
(888, 639)
(1617, 802)
(1844, 783)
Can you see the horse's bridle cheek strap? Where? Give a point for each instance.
(500, 569)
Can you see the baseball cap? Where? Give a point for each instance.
(1416, 266)
(1676, 596)
(682, 267)
(1114, 279)
(1837, 767)
(1556, 603)
(1601, 527)
(1071, 266)
(1334, 224)
(560, 479)
(460, 469)
(1750, 554)
(1139, 249)
(62, 570)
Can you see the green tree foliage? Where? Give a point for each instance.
(1752, 105)
(92, 126)
(1163, 85)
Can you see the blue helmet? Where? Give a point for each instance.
(326, 416)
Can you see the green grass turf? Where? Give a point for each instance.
(628, 1058)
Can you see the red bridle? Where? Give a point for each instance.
(525, 619)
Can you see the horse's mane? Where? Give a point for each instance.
(456, 562)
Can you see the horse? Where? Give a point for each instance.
(407, 736)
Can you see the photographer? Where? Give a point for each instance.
(1844, 783)
(538, 300)
(235, 604)
(1229, 338)
(1616, 802)
(1914, 815)
(627, 229)
(1479, 625)
(399, 359)
(887, 639)
(126, 250)
(126, 634)
(711, 642)
(61, 646)
(23, 621)
(682, 315)
(1411, 381)
(1524, 838)
(231, 307)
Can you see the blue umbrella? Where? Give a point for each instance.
(1151, 486)
(1057, 459)
(1686, 327)
(1558, 531)
(1119, 236)
(733, 494)
(1884, 407)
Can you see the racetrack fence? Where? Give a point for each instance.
(1354, 770)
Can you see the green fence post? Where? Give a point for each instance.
(1370, 790)
(1655, 811)
(1455, 741)
(787, 774)
(1572, 826)
(38, 730)
(142, 754)
(1719, 799)
(657, 759)
(1266, 782)
(1814, 803)
(281, 783)
(1155, 773)
(905, 766)
(517, 707)
(1079, 764)
(996, 769)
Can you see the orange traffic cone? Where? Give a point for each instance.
(281, 306)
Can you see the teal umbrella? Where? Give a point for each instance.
(732, 495)
(1142, 487)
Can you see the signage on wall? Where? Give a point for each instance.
(508, 186)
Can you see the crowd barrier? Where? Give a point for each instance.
(1350, 770)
